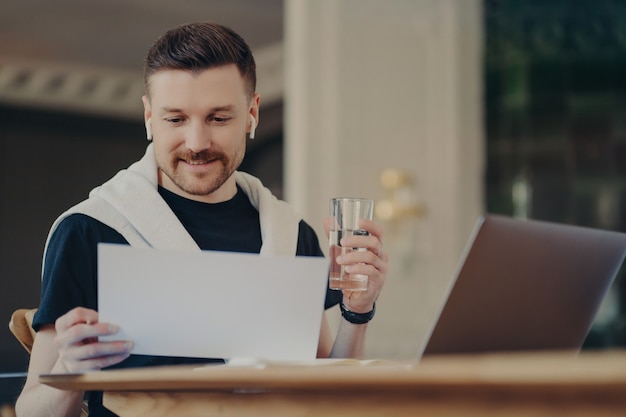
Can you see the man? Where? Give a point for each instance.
(185, 193)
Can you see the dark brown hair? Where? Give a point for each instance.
(196, 47)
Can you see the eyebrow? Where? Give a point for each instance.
(217, 109)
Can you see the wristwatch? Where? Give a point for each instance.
(357, 318)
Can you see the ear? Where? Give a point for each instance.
(147, 116)
(254, 114)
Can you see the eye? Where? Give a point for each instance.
(175, 120)
(220, 120)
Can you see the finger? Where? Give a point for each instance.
(327, 221)
(76, 361)
(374, 275)
(82, 333)
(100, 363)
(372, 227)
(98, 350)
(371, 243)
(365, 257)
(76, 316)
(96, 355)
(381, 261)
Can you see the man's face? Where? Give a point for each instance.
(199, 123)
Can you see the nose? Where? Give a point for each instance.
(197, 137)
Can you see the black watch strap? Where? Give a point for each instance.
(357, 318)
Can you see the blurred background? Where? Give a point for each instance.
(440, 109)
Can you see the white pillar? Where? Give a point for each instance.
(389, 84)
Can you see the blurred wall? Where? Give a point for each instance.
(370, 87)
(48, 162)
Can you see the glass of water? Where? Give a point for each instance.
(345, 215)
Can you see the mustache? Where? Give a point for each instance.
(202, 156)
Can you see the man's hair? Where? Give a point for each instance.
(196, 47)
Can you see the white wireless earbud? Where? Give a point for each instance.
(252, 126)
(148, 130)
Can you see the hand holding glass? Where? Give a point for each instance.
(345, 215)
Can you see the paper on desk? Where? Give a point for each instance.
(212, 304)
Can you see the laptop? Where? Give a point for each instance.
(526, 285)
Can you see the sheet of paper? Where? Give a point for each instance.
(212, 304)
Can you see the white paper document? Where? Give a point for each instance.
(212, 304)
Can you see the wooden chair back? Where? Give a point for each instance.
(21, 325)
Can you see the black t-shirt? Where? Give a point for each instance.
(70, 273)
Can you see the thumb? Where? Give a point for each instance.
(327, 221)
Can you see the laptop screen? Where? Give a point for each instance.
(526, 285)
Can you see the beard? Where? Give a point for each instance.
(205, 182)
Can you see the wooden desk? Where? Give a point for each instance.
(550, 384)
